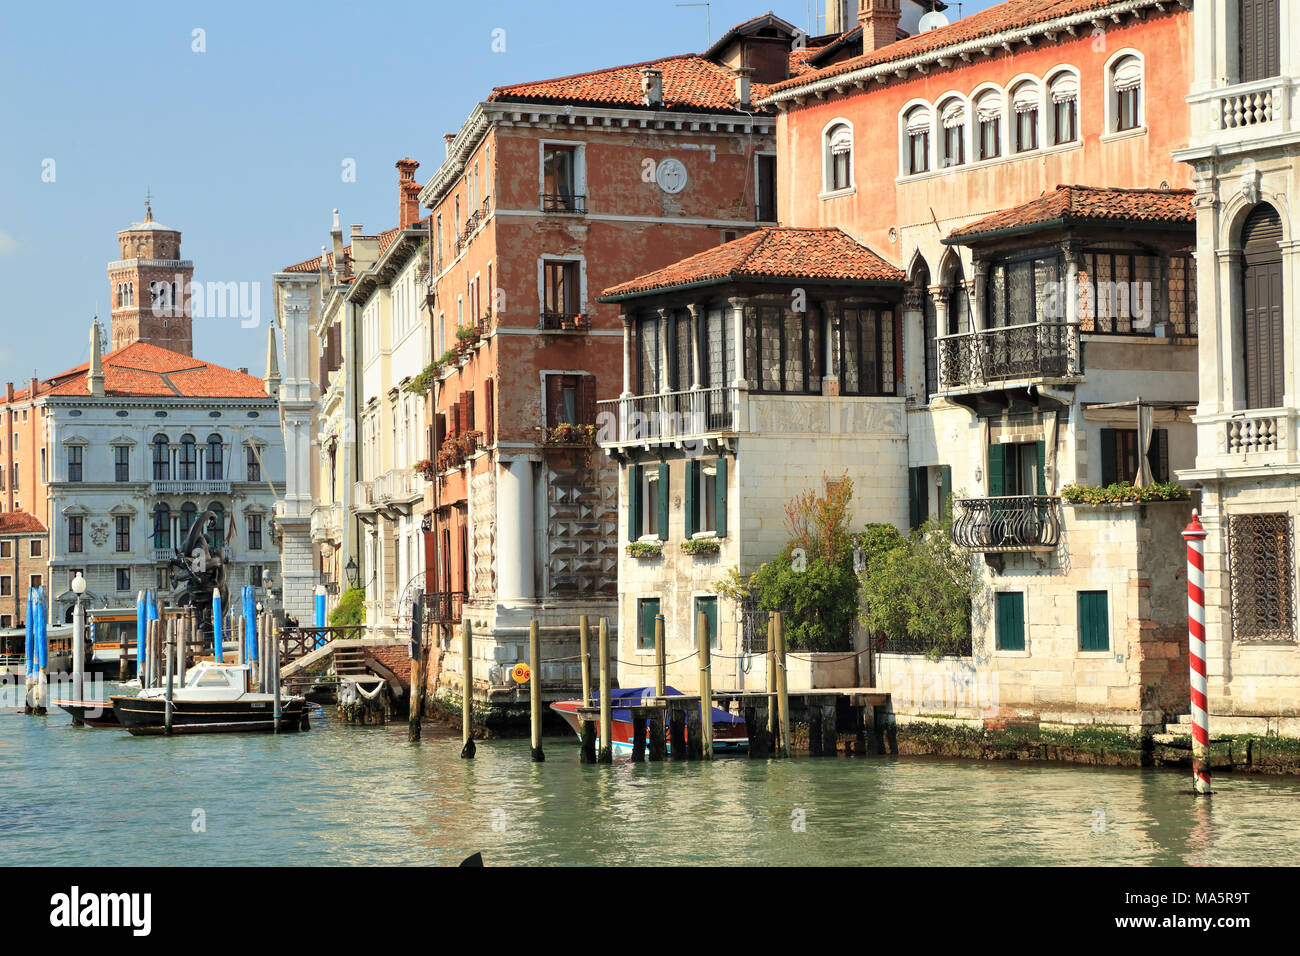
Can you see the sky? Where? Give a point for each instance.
(241, 119)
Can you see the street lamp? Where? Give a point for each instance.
(78, 638)
(351, 571)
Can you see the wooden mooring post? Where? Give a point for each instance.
(657, 734)
(415, 699)
(661, 665)
(275, 672)
(706, 685)
(606, 711)
(638, 715)
(535, 689)
(584, 654)
(467, 748)
(782, 689)
(172, 628)
(676, 729)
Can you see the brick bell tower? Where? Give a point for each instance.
(150, 288)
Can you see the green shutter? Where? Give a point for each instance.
(1109, 452)
(720, 503)
(692, 478)
(633, 502)
(917, 499)
(645, 638)
(997, 466)
(1042, 467)
(1158, 455)
(1011, 621)
(709, 605)
(663, 501)
(945, 489)
(1094, 627)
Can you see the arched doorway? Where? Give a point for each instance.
(1261, 311)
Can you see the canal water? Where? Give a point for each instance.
(349, 795)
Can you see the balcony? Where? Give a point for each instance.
(671, 417)
(327, 522)
(396, 491)
(571, 205)
(1009, 356)
(189, 487)
(444, 607)
(1008, 524)
(363, 496)
(163, 555)
(564, 322)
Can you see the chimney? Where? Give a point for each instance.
(879, 19)
(9, 391)
(742, 88)
(447, 139)
(31, 388)
(95, 380)
(652, 86)
(336, 241)
(408, 193)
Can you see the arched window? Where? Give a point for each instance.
(953, 117)
(1024, 103)
(162, 526)
(216, 531)
(1126, 93)
(161, 458)
(838, 147)
(918, 124)
(215, 460)
(1063, 93)
(988, 125)
(189, 514)
(189, 463)
(1261, 313)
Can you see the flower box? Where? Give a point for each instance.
(645, 549)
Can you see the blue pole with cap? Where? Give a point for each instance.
(217, 636)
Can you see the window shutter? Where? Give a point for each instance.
(440, 432)
(720, 506)
(692, 476)
(915, 501)
(634, 502)
(1158, 455)
(587, 405)
(489, 412)
(997, 464)
(1109, 454)
(554, 385)
(469, 411)
(431, 448)
(649, 611)
(1011, 621)
(1093, 631)
(1042, 467)
(663, 501)
(945, 489)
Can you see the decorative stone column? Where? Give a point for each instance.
(980, 277)
(515, 532)
(739, 404)
(829, 308)
(628, 356)
(1232, 370)
(914, 342)
(699, 315)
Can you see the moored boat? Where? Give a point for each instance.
(214, 699)
(729, 732)
(93, 713)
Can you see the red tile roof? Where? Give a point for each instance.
(20, 522)
(770, 253)
(1010, 15)
(385, 240)
(1070, 205)
(143, 370)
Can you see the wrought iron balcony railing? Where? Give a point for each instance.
(552, 202)
(565, 321)
(1009, 353)
(670, 416)
(1010, 523)
(444, 607)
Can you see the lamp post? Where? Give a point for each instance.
(78, 642)
(353, 576)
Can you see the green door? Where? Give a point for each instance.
(708, 605)
(648, 610)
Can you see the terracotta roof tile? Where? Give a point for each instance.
(140, 369)
(313, 265)
(1087, 204)
(770, 253)
(1011, 14)
(20, 522)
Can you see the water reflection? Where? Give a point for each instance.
(346, 795)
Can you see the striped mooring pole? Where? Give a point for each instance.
(1195, 535)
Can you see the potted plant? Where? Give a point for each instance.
(645, 549)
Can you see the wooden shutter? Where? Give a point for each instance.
(440, 432)
(997, 467)
(431, 439)
(645, 638)
(1158, 455)
(633, 502)
(945, 490)
(489, 412)
(1262, 308)
(692, 477)
(1011, 621)
(1259, 39)
(1094, 633)
(1109, 456)
(663, 501)
(709, 606)
(1041, 448)
(469, 410)
(587, 400)
(720, 499)
(918, 503)
(554, 394)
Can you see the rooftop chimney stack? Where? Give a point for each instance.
(336, 240)
(743, 99)
(95, 380)
(879, 19)
(408, 190)
(652, 87)
(447, 138)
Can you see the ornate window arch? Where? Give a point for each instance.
(1063, 107)
(837, 156)
(953, 120)
(916, 133)
(1125, 92)
(162, 459)
(1026, 112)
(1263, 320)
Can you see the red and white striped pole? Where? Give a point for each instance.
(1195, 535)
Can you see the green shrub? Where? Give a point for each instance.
(351, 608)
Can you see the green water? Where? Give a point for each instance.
(348, 795)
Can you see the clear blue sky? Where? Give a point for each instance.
(242, 145)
